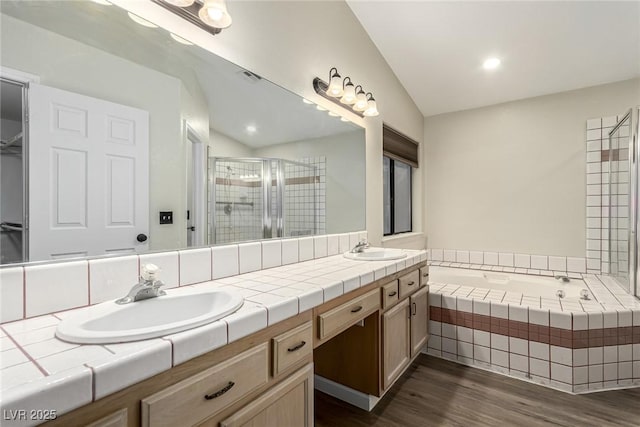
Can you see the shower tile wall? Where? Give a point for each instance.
(304, 200)
(305, 197)
(238, 208)
(605, 203)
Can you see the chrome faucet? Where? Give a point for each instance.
(562, 278)
(360, 247)
(147, 287)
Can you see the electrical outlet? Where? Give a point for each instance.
(166, 217)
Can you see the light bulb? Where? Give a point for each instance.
(491, 64)
(372, 108)
(349, 96)
(335, 86)
(361, 102)
(332, 114)
(214, 13)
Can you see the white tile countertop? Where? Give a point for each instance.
(40, 372)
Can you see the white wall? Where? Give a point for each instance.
(225, 146)
(292, 42)
(511, 177)
(346, 171)
(67, 64)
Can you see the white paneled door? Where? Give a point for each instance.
(88, 175)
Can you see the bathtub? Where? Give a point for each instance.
(535, 286)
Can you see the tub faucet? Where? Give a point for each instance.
(360, 247)
(147, 287)
(562, 278)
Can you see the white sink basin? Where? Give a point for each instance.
(176, 311)
(376, 254)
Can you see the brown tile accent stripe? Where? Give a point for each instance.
(616, 154)
(542, 334)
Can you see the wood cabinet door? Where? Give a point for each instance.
(419, 320)
(395, 342)
(290, 403)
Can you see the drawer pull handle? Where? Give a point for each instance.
(425, 275)
(357, 309)
(411, 283)
(414, 308)
(296, 347)
(220, 392)
(392, 294)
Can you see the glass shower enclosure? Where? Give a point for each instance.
(261, 198)
(622, 205)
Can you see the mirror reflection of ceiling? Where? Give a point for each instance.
(236, 98)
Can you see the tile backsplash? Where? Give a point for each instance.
(34, 290)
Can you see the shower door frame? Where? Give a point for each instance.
(634, 200)
(633, 243)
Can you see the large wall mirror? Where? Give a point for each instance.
(119, 137)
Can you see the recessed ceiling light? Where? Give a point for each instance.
(251, 129)
(491, 63)
(180, 39)
(306, 101)
(143, 22)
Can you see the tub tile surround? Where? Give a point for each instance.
(541, 265)
(574, 346)
(35, 362)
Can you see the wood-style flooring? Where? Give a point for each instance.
(436, 392)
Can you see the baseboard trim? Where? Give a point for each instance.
(354, 397)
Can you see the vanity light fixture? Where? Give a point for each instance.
(361, 102)
(209, 15)
(332, 114)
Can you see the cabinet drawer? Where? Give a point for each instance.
(345, 315)
(291, 347)
(205, 394)
(409, 283)
(117, 419)
(389, 294)
(424, 275)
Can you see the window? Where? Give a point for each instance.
(400, 156)
(397, 196)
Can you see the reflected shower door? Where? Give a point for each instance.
(236, 199)
(622, 204)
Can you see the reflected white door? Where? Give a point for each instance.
(88, 175)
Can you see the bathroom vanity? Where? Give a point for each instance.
(362, 340)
